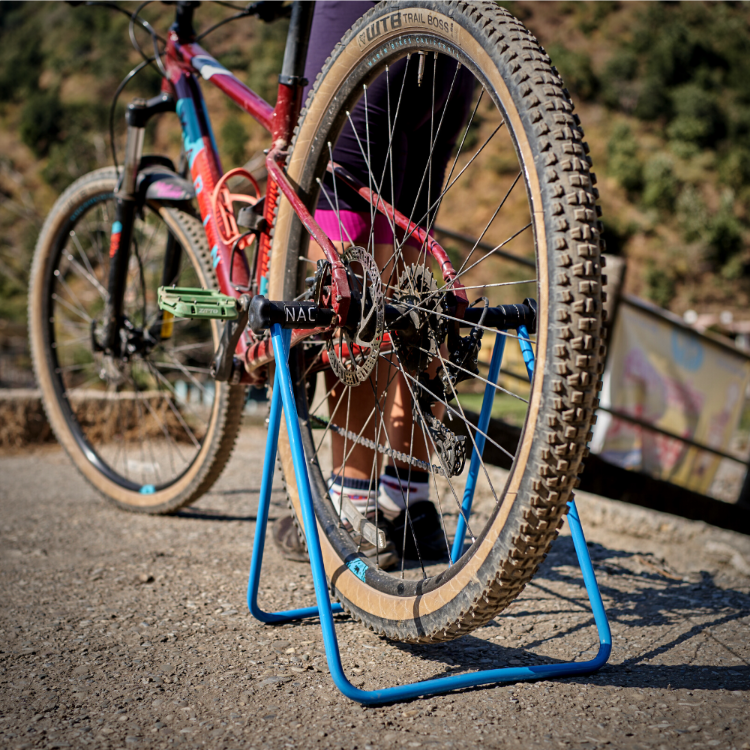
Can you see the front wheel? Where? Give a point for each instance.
(451, 107)
(149, 428)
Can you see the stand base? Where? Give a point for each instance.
(282, 395)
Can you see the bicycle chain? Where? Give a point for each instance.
(384, 449)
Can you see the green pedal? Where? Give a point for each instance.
(200, 304)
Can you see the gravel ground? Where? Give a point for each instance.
(119, 630)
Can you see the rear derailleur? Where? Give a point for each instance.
(460, 365)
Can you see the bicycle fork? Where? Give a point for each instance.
(113, 338)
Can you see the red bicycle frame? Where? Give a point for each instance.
(184, 61)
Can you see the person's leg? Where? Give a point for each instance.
(396, 114)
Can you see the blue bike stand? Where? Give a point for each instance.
(283, 396)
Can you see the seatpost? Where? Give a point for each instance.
(291, 80)
(298, 38)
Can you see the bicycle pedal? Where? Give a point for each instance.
(199, 304)
(367, 529)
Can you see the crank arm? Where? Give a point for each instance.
(225, 366)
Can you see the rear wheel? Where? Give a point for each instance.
(518, 178)
(150, 429)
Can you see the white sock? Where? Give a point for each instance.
(358, 491)
(398, 484)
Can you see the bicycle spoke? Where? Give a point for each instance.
(187, 372)
(160, 377)
(408, 516)
(88, 271)
(74, 307)
(165, 430)
(457, 413)
(444, 468)
(479, 377)
(336, 208)
(183, 368)
(330, 422)
(468, 431)
(458, 176)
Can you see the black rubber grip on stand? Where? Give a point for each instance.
(264, 313)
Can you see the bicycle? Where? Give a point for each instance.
(147, 401)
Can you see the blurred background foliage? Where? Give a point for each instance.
(59, 69)
(663, 91)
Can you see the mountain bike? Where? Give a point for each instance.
(147, 399)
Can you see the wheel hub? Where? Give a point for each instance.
(418, 344)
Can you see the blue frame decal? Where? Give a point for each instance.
(358, 567)
(191, 132)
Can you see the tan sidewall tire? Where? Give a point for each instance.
(513, 545)
(226, 414)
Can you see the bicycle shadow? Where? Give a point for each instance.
(199, 513)
(634, 600)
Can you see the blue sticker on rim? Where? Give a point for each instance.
(358, 567)
(148, 489)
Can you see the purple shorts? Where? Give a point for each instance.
(405, 180)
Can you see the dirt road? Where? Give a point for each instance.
(129, 631)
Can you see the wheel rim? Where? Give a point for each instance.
(140, 422)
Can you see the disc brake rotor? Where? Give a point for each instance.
(353, 357)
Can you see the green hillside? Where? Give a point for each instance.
(663, 91)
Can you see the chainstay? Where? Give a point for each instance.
(372, 445)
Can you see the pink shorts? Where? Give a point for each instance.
(354, 227)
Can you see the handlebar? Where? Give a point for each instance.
(266, 10)
(269, 10)
(183, 22)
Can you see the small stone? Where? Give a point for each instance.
(145, 578)
(277, 680)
